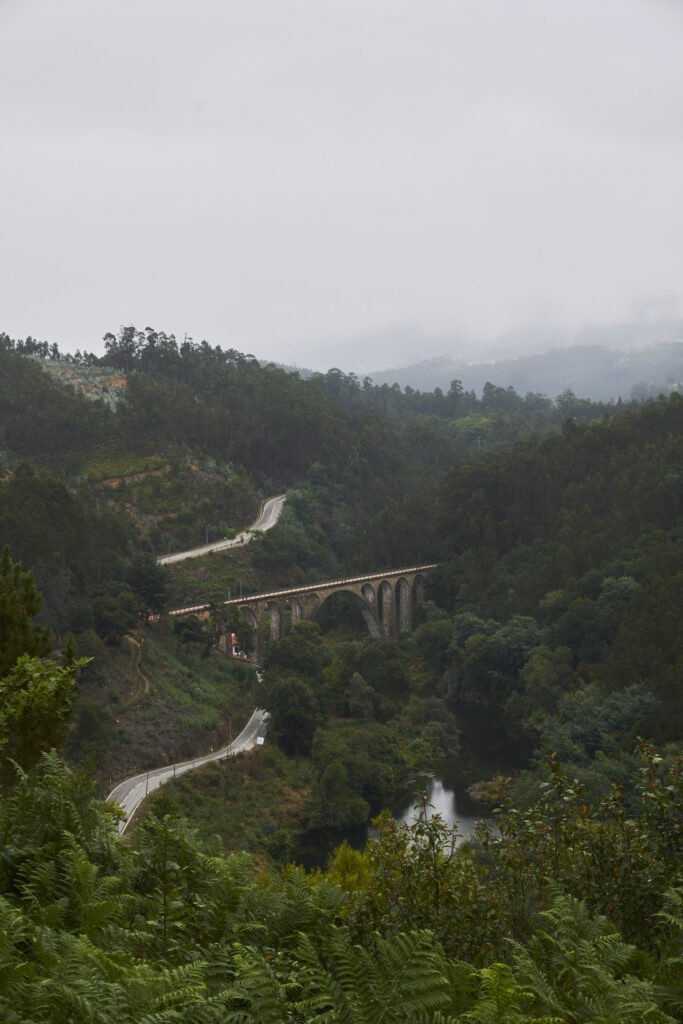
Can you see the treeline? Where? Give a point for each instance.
(223, 403)
(44, 350)
(490, 419)
(213, 402)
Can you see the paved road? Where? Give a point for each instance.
(270, 513)
(131, 792)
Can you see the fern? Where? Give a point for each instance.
(669, 974)
(403, 979)
(577, 970)
(257, 995)
(502, 1000)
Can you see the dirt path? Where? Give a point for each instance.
(141, 680)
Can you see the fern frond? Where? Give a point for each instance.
(258, 996)
(581, 972)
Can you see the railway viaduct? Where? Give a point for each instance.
(386, 600)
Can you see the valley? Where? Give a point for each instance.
(542, 599)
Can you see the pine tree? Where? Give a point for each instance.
(20, 602)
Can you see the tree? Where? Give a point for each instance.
(20, 601)
(150, 581)
(190, 630)
(336, 803)
(116, 610)
(546, 676)
(302, 652)
(295, 713)
(433, 639)
(36, 699)
(417, 879)
(359, 697)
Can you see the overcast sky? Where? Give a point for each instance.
(276, 175)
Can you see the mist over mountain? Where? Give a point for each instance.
(594, 371)
(590, 371)
(633, 359)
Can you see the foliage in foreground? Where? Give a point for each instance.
(94, 928)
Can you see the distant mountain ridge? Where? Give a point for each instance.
(590, 371)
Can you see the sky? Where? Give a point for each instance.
(299, 179)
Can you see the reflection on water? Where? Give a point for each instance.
(486, 750)
(442, 800)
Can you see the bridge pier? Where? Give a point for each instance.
(387, 609)
(274, 612)
(404, 606)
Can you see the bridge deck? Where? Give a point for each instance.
(293, 591)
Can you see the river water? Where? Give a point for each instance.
(455, 809)
(486, 750)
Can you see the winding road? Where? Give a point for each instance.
(130, 793)
(270, 513)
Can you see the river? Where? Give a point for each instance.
(486, 750)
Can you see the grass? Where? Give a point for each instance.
(213, 577)
(123, 465)
(148, 704)
(256, 802)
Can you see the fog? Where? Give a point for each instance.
(309, 179)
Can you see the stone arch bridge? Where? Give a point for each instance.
(386, 600)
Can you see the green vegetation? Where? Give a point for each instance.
(182, 457)
(562, 572)
(20, 602)
(558, 601)
(162, 929)
(256, 802)
(156, 700)
(352, 723)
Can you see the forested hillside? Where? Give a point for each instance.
(561, 571)
(560, 552)
(197, 434)
(594, 367)
(558, 601)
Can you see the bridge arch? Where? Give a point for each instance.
(296, 611)
(365, 607)
(275, 619)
